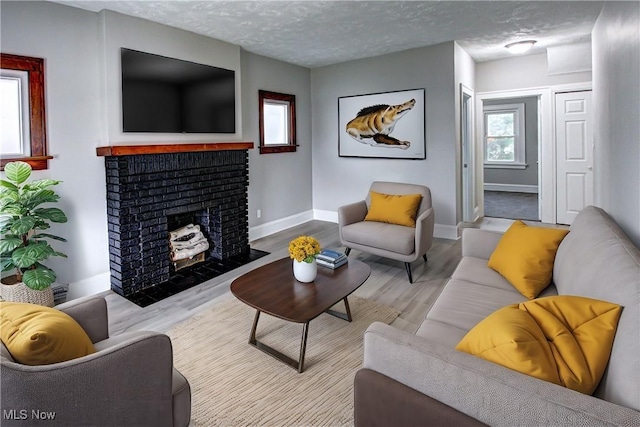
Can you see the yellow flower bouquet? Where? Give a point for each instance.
(304, 248)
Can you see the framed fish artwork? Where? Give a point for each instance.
(384, 125)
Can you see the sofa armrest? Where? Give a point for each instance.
(91, 314)
(403, 406)
(483, 390)
(479, 243)
(351, 213)
(129, 382)
(424, 232)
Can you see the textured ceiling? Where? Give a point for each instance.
(318, 33)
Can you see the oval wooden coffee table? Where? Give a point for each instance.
(272, 289)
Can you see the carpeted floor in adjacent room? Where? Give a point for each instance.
(503, 204)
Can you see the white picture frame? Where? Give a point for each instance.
(401, 135)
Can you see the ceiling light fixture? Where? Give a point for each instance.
(520, 47)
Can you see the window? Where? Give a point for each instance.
(277, 122)
(14, 139)
(22, 112)
(504, 136)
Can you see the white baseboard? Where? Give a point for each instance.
(89, 286)
(268, 228)
(329, 216)
(513, 188)
(442, 231)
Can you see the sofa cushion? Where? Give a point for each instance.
(441, 333)
(476, 270)
(37, 335)
(4, 354)
(394, 208)
(563, 339)
(465, 304)
(525, 255)
(395, 238)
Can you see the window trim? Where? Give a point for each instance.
(520, 147)
(291, 131)
(38, 158)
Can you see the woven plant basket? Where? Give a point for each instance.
(19, 292)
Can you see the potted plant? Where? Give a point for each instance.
(24, 246)
(303, 251)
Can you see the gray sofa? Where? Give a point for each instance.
(420, 379)
(129, 381)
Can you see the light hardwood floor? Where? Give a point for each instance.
(388, 283)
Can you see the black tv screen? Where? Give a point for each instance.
(161, 94)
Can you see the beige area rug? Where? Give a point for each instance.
(235, 384)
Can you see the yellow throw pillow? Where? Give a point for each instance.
(563, 339)
(525, 255)
(394, 208)
(37, 335)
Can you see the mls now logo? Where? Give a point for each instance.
(24, 414)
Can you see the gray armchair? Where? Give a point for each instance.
(129, 381)
(397, 242)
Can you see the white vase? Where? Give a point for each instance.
(305, 272)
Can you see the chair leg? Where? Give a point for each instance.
(425, 257)
(407, 266)
(347, 251)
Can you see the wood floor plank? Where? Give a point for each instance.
(388, 283)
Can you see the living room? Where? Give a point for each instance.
(82, 49)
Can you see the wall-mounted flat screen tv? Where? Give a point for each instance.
(161, 94)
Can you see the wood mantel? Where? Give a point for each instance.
(132, 150)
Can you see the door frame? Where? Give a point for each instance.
(546, 147)
(470, 208)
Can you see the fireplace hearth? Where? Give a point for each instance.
(193, 276)
(152, 190)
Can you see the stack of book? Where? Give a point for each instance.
(331, 258)
(60, 291)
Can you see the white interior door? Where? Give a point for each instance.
(574, 154)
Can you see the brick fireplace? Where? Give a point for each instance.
(154, 189)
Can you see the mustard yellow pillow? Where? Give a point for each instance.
(394, 208)
(562, 339)
(525, 255)
(37, 335)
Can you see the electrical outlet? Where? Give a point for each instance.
(258, 213)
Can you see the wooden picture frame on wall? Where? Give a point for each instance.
(277, 122)
(388, 125)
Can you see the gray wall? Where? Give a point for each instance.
(341, 180)
(616, 100)
(279, 184)
(119, 31)
(521, 72)
(67, 38)
(528, 176)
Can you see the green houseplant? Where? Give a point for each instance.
(24, 246)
